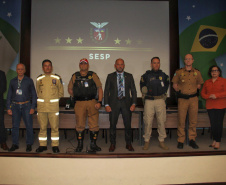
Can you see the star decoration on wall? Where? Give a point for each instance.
(3, 2)
(128, 41)
(188, 18)
(68, 40)
(57, 40)
(79, 40)
(9, 14)
(193, 6)
(117, 41)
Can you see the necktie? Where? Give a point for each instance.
(120, 86)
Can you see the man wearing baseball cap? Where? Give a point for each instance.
(86, 88)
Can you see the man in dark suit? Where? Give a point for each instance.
(117, 99)
(2, 126)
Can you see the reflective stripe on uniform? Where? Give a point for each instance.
(57, 113)
(54, 100)
(40, 100)
(41, 77)
(42, 138)
(54, 138)
(54, 76)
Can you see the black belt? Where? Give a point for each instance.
(186, 96)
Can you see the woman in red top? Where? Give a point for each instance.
(214, 91)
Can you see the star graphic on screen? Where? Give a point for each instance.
(221, 64)
(68, 40)
(79, 40)
(57, 40)
(193, 6)
(128, 41)
(117, 41)
(3, 2)
(139, 42)
(188, 18)
(9, 14)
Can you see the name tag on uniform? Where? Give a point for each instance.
(162, 83)
(86, 84)
(19, 92)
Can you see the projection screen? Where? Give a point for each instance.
(65, 31)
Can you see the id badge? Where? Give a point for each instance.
(86, 84)
(162, 83)
(19, 92)
(122, 88)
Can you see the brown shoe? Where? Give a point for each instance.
(146, 145)
(4, 146)
(130, 147)
(163, 146)
(112, 148)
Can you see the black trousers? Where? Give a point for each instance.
(216, 121)
(2, 126)
(120, 107)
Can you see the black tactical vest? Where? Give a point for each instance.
(84, 87)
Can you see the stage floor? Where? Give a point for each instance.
(68, 145)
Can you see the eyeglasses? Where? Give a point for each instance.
(214, 70)
(188, 59)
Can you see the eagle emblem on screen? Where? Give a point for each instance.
(99, 34)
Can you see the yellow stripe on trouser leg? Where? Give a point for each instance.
(43, 122)
(54, 123)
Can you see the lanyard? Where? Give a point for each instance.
(19, 83)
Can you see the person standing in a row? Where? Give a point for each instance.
(214, 91)
(118, 87)
(154, 85)
(49, 90)
(187, 82)
(85, 87)
(21, 102)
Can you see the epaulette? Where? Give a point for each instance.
(56, 76)
(90, 72)
(40, 76)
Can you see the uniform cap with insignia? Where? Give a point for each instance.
(84, 60)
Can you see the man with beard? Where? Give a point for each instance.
(118, 87)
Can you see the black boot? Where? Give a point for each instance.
(93, 139)
(80, 137)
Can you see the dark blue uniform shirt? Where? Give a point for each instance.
(157, 82)
(26, 87)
